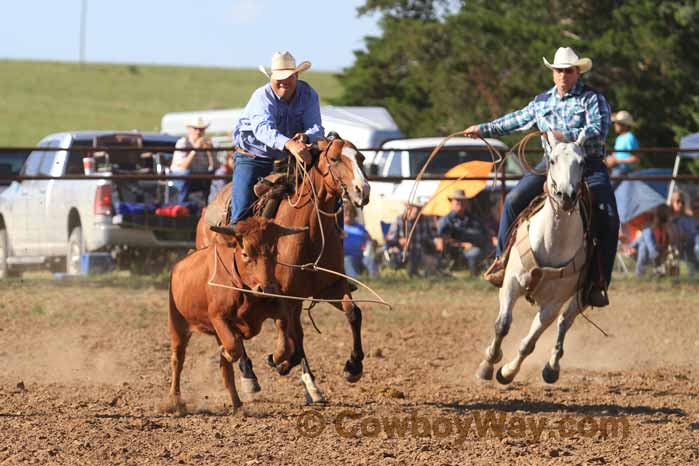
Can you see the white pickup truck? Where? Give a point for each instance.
(405, 158)
(51, 223)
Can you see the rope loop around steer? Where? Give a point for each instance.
(310, 266)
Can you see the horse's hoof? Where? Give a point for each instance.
(485, 371)
(500, 378)
(283, 369)
(549, 374)
(174, 405)
(353, 371)
(312, 392)
(249, 386)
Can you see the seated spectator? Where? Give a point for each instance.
(224, 170)
(622, 160)
(687, 230)
(424, 246)
(653, 241)
(186, 160)
(462, 234)
(354, 244)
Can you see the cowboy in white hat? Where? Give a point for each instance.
(623, 161)
(283, 115)
(570, 109)
(188, 159)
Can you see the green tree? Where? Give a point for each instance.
(438, 70)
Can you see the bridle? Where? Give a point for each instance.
(555, 204)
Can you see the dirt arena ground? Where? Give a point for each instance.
(84, 367)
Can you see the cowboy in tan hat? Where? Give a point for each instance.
(622, 161)
(187, 159)
(463, 236)
(571, 110)
(283, 115)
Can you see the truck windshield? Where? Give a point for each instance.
(11, 164)
(445, 160)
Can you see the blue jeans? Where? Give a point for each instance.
(246, 171)
(604, 212)
(647, 250)
(182, 186)
(353, 265)
(472, 256)
(185, 186)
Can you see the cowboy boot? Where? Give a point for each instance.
(495, 274)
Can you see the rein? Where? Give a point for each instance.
(311, 266)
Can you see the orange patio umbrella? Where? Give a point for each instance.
(439, 203)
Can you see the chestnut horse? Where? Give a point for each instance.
(247, 259)
(336, 173)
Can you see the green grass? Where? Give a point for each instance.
(39, 98)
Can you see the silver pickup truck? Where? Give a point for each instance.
(51, 223)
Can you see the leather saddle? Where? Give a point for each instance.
(269, 190)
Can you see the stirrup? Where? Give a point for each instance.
(495, 275)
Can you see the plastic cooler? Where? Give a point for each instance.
(96, 263)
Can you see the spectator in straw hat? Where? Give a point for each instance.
(570, 110)
(623, 161)
(188, 158)
(462, 234)
(283, 115)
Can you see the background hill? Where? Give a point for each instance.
(39, 98)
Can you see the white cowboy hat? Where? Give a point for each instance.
(565, 58)
(283, 66)
(624, 118)
(197, 122)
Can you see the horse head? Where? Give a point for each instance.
(565, 171)
(342, 162)
(255, 250)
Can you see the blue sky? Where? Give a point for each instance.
(227, 33)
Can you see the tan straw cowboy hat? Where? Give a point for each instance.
(565, 58)
(624, 118)
(283, 66)
(458, 194)
(197, 122)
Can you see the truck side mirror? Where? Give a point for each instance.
(373, 169)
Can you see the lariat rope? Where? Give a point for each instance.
(499, 164)
(311, 266)
(494, 153)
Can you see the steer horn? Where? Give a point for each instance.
(224, 230)
(284, 231)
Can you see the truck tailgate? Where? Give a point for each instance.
(163, 227)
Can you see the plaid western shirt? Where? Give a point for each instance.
(423, 237)
(580, 109)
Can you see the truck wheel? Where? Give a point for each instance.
(75, 250)
(5, 271)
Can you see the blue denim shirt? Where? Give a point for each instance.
(580, 109)
(268, 122)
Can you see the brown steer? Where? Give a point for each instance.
(245, 258)
(336, 173)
